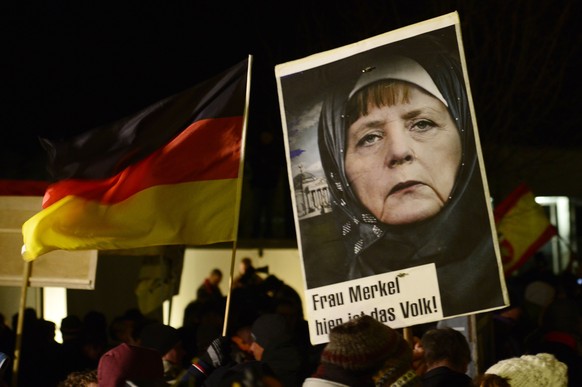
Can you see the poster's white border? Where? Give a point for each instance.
(326, 57)
(333, 55)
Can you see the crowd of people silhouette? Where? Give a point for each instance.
(267, 343)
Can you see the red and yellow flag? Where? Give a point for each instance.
(166, 175)
(522, 228)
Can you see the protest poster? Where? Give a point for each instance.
(389, 191)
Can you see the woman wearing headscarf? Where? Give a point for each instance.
(398, 150)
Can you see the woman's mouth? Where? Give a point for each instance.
(403, 186)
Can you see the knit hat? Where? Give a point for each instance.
(365, 344)
(128, 362)
(160, 337)
(541, 370)
(270, 328)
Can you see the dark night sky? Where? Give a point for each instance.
(70, 66)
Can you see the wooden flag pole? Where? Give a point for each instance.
(230, 279)
(20, 324)
(166, 270)
(238, 194)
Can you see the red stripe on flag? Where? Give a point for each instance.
(548, 233)
(206, 150)
(23, 187)
(509, 202)
(522, 226)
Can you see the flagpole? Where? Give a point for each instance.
(238, 194)
(20, 323)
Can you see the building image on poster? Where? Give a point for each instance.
(389, 192)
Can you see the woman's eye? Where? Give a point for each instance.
(423, 125)
(369, 139)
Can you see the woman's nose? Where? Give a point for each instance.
(396, 161)
(399, 151)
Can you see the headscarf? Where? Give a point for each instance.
(374, 247)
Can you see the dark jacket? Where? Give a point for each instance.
(445, 377)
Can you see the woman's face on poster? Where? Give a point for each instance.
(402, 160)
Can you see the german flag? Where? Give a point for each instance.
(166, 175)
(522, 228)
(23, 187)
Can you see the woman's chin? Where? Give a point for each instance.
(411, 211)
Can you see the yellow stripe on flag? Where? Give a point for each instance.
(192, 213)
(523, 228)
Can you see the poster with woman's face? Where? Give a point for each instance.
(387, 181)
